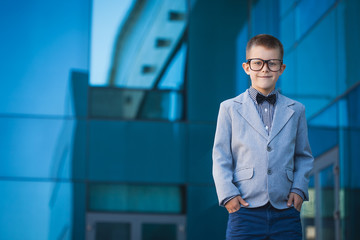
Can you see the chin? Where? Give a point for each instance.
(266, 87)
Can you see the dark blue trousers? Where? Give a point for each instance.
(263, 223)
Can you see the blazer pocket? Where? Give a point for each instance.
(243, 174)
(290, 175)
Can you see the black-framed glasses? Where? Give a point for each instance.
(256, 64)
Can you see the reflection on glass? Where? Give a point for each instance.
(308, 213)
(134, 42)
(162, 105)
(136, 104)
(326, 118)
(322, 139)
(174, 75)
(112, 231)
(309, 18)
(153, 231)
(135, 198)
(140, 48)
(327, 203)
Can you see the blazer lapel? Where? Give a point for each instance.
(250, 114)
(282, 115)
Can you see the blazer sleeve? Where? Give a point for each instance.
(223, 166)
(303, 158)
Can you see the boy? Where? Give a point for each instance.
(261, 155)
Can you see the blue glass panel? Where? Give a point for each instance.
(135, 104)
(41, 148)
(287, 83)
(349, 12)
(322, 139)
(212, 56)
(43, 41)
(316, 63)
(344, 114)
(287, 28)
(308, 12)
(79, 150)
(79, 210)
(108, 18)
(354, 163)
(326, 178)
(206, 220)
(137, 151)
(286, 6)
(326, 118)
(140, 39)
(162, 105)
(343, 58)
(135, 198)
(175, 73)
(42, 210)
(312, 104)
(265, 16)
(79, 89)
(242, 79)
(335, 115)
(353, 101)
(201, 140)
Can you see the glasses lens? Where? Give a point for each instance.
(274, 65)
(256, 64)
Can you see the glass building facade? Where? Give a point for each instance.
(108, 112)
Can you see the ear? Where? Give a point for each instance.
(246, 68)
(282, 69)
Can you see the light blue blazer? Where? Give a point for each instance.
(258, 166)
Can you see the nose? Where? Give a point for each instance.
(265, 67)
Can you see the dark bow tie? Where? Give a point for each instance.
(261, 98)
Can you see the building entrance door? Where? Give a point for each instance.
(115, 226)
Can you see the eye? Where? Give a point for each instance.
(273, 64)
(257, 62)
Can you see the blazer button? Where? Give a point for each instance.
(268, 149)
(269, 171)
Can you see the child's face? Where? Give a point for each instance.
(263, 80)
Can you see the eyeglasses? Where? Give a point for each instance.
(256, 64)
